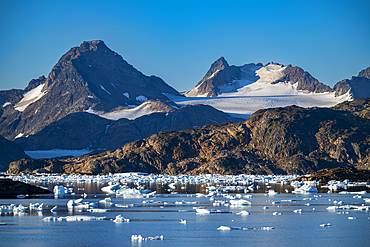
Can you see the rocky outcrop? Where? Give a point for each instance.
(9, 151)
(289, 140)
(305, 82)
(90, 76)
(358, 86)
(338, 174)
(10, 189)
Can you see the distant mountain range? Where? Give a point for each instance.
(93, 99)
(222, 79)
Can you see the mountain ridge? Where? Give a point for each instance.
(287, 140)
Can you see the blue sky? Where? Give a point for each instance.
(179, 40)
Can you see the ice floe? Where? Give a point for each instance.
(305, 189)
(73, 218)
(140, 238)
(120, 219)
(61, 190)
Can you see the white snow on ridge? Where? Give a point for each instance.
(47, 154)
(254, 91)
(19, 135)
(214, 73)
(270, 73)
(132, 113)
(30, 97)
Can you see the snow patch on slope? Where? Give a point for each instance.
(213, 74)
(195, 92)
(131, 113)
(103, 88)
(6, 104)
(30, 97)
(270, 73)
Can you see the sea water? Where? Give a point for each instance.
(161, 215)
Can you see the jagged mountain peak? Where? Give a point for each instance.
(89, 76)
(358, 86)
(220, 63)
(364, 73)
(94, 45)
(219, 74)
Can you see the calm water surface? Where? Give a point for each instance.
(163, 218)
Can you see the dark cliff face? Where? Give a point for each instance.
(358, 86)
(305, 81)
(290, 140)
(88, 76)
(9, 151)
(339, 174)
(219, 74)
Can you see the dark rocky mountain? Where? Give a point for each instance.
(305, 82)
(85, 130)
(218, 75)
(289, 140)
(358, 86)
(221, 76)
(9, 151)
(90, 76)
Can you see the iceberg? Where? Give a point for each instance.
(243, 212)
(272, 193)
(111, 189)
(132, 191)
(120, 219)
(73, 218)
(61, 190)
(240, 202)
(267, 228)
(140, 238)
(224, 228)
(305, 189)
(78, 204)
(203, 211)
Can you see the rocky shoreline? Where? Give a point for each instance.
(338, 174)
(10, 189)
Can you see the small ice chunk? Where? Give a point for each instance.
(267, 228)
(224, 228)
